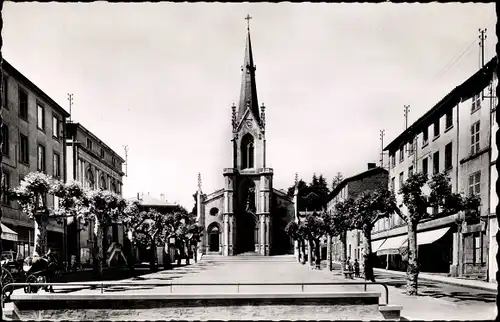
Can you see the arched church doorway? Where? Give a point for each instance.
(214, 239)
(246, 228)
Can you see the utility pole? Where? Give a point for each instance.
(407, 111)
(482, 38)
(70, 99)
(125, 147)
(382, 133)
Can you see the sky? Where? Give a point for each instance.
(161, 79)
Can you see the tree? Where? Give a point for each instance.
(296, 232)
(146, 228)
(336, 180)
(315, 229)
(32, 197)
(369, 207)
(102, 208)
(342, 221)
(417, 204)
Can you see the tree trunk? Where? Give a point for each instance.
(367, 254)
(152, 259)
(317, 249)
(343, 256)
(309, 253)
(413, 269)
(180, 252)
(303, 251)
(329, 252)
(100, 251)
(195, 252)
(40, 235)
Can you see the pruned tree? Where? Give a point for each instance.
(418, 203)
(102, 208)
(146, 228)
(314, 228)
(31, 195)
(342, 220)
(368, 208)
(296, 232)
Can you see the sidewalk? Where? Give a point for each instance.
(425, 307)
(445, 279)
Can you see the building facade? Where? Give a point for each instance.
(454, 138)
(372, 179)
(95, 165)
(33, 140)
(248, 214)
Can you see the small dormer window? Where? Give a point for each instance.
(102, 153)
(89, 144)
(113, 161)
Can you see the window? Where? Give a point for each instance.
(113, 161)
(393, 160)
(474, 139)
(448, 163)
(412, 146)
(103, 183)
(55, 126)
(5, 187)
(23, 103)
(90, 179)
(393, 184)
(24, 151)
(5, 140)
(56, 165)
(425, 166)
(449, 119)
(247, 151)
(102, 153)
(410, 171)
(476, 102)
(5, 93)
(40, 117)
(435, 162)
(475, 183)
(436, 128)
(401, 179)
(475, 250)
(401, 154)
(89, 144)
(40, 158)
(425, 136)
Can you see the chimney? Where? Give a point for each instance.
(162, 197)
(139, 196)
(372, 166)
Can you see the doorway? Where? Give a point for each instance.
(214, 239)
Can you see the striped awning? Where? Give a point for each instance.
(8, 234)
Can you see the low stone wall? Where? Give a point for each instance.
(237, 306)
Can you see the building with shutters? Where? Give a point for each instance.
(95, 165)
(372, 179)
(33, 140)
(453, 137)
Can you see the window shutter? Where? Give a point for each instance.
(469, 249)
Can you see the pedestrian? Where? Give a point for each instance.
(356, 268)
(348, 264)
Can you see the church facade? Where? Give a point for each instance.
(248, 214)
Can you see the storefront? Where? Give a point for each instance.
(9, 239)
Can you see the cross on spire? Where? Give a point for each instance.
(247, 18)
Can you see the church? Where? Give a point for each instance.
(248, 215)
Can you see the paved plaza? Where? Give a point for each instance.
(286, 270)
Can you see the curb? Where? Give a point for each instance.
(493, 286)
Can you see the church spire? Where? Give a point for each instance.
(248, 95)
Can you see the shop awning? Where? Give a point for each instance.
(377, 244)
(428, 237)
(8, 234)
(392, 245)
